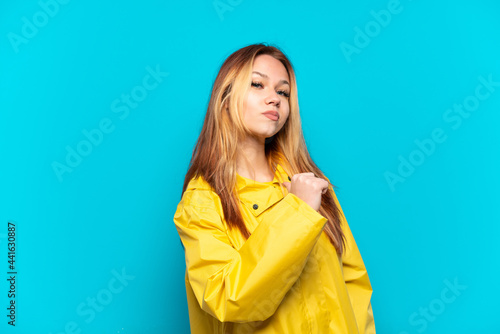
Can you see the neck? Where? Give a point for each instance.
(252, 162)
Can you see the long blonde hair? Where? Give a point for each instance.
(214, 156)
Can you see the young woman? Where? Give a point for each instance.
(267, 247)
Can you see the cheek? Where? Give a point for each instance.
(247, 108)
(248, 105)
(252, 98)
(283, 120)
(286, 113)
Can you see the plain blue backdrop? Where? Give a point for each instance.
(101, 104)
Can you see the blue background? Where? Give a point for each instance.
(64, 70)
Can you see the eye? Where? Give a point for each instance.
(256, 84)
(284, 93)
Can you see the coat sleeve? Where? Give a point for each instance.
(247, 284)
(357, 281)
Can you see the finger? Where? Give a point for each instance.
(287, 185)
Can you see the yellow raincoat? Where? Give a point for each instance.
(286, 278)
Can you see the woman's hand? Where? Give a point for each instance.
(308, 188)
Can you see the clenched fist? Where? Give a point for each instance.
(308, 188)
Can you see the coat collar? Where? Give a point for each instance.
(280, 176)
(259, 196)
(255, 196)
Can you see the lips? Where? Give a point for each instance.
(272, 115)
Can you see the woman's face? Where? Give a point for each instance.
(266, 107)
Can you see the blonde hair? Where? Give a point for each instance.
(214, 156)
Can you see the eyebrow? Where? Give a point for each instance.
(282, 81)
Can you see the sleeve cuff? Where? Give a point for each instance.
(305, 209)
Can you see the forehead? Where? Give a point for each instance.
(271, 67)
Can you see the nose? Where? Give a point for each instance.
(273, 98)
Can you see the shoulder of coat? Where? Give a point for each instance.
(200, 193)
(198, 183)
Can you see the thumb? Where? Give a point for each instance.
(287, 185)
